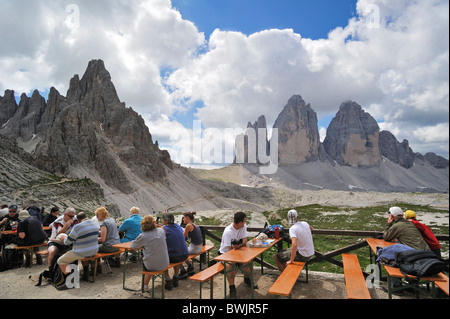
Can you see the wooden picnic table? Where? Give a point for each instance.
(242, 258)
(14, 232)
(393, 272)
(127, 247)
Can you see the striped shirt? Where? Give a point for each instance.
(84, 238)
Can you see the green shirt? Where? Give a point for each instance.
(406, 233)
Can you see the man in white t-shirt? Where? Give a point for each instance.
(302, 248)
(233, 233)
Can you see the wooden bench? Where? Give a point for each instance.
(285, 282)
(30, 249)
(161, 273)
(102, 255)
(355, 282)
(440, 280)
(208, 274)
(443, 285)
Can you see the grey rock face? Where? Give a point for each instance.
(89, 128)
(298, 134)
(399, 153)
(353, 136)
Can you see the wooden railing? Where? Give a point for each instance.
(319, 256)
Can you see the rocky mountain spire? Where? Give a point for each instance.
(399, 153)
(8, 107)
(353, 136)
(298, 134)
(89, 130)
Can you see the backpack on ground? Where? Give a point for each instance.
(419, 263)
(10, 258)
(54, 275)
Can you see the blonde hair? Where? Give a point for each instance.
(148, 223)
(102, 212)
(134, 210)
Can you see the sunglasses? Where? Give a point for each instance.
(70, 216)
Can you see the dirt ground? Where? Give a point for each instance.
(20, 284)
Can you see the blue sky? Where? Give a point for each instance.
(311, 19)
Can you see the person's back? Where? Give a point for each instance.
(112, 237)
(154, 246)
(406, 233)
(302, 231)
(84, 238)
(32, 228)
(131, 227)
(176, 243)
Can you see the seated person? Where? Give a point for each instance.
(109, 235)
(83, 237)
(62, 225)
(193, 232)
(176, 246)
(153, 241)
(31, 233)
(236, 231)
(131, 226)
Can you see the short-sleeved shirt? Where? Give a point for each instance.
(231, 233)
(176, 244)
(302, 232)
(32, 228)
(131, 227)
(112, 236)
(153, 243)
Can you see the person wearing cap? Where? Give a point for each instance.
(399, 229)
(426, 232)
(13, 216)
(302, 248)
(31, 233)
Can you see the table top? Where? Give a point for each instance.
(125, 245)
(374, 243)
(14, 232)
(243, 255)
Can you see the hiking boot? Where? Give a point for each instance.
(85, 274)
(169, 285)
(248, 282)
(175, 281)
(183, 273)
(114, 263)
(190, 269)
(62, 287)
(27, 261)
(232, 292)
(38, 260)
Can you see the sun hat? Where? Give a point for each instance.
(24, 214)
(292, 216)
(395, 211)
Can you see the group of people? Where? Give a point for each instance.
(75, 237)
(166, 243)
(28, 224)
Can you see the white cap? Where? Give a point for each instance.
(396, 211)
(292, 216)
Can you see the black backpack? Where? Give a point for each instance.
(419, 263)
(10, 258)
(54, 275)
